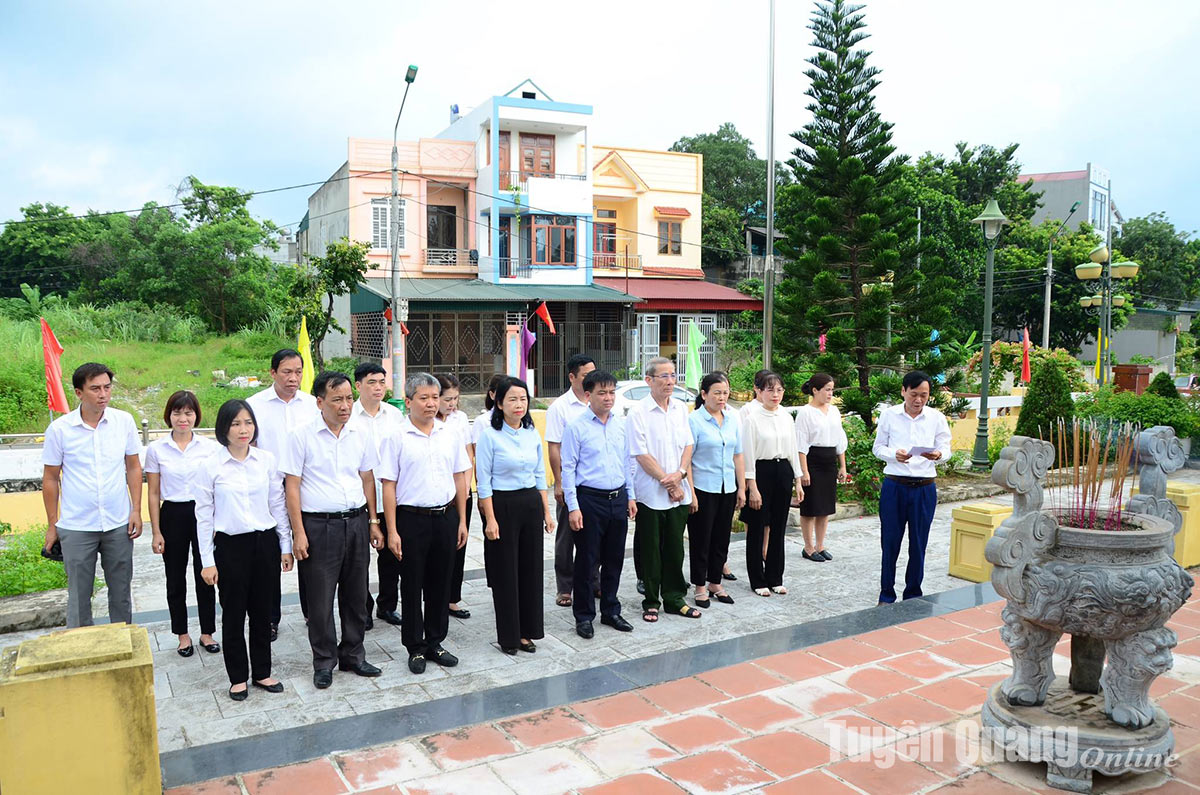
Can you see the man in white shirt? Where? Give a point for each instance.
(911, 438)
(659, 436)
(280, 410)
(330, 492)
(90, 461)
(425, 472)
(566, 408)
(378, 420)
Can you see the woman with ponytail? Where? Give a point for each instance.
(821, 444)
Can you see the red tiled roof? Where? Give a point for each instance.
(1053, 176)
(681, 212)
(682, 294)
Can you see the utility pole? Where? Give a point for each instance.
(769, 275)
(1050, 277)
(399, 305)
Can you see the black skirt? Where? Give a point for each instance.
(820, 497)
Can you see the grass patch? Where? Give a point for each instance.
(22, 567)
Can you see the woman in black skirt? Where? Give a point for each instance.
(821, 444)
(772, 468)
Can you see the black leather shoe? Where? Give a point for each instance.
(584, 630)
(416, 663)
(641, 587)
(825, 554)
(363, 668)
(239, 695)
(527, 646)
(322, 678)
(616, 622)
(443, 657)
(186, 651)
(815, 557)
(275, 688)
(274, 632)
(728, 575)
(370, 625)
(390, 616)
(212, 648)
(461, 612)
(511, 651)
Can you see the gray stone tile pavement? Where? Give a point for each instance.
(193, 708)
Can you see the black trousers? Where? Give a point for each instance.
(388, 569)
(708, 535)
(601, 543)
(247, 565)
(514, 565)
(177, 521)
(775, 481)
(339, 554)
(427, 547)
(460, 563)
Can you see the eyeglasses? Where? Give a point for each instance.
(666, 376)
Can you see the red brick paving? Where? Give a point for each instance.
(891, 699)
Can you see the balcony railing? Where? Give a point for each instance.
(510, 178)
(450, 259)
(617, 261)
(514, 268)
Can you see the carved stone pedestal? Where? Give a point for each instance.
(1071, 733)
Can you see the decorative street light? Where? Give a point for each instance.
(1103, 270)
(992, 221)
(399, 305)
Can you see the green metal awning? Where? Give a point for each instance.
(479, 291)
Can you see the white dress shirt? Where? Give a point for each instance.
(767, 435)
(235, 497)
(277, 420)
(176, 469)
(329, 466)
(423, 467)
(484, 420)
(562, 412)
(816, 428)
(94, 493)
(387, 420)
(665, 435)
(898, 431)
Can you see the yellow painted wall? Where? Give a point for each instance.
(24, 509)
(962, 432)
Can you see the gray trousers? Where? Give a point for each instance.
(338, 563)
(564, 553)
(80, 548)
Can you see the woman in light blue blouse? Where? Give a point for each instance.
(719, 482)
(511, 478)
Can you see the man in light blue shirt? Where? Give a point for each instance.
(597, 480)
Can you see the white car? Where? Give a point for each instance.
(630, 392)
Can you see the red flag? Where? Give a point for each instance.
(1025, 357)
(544, 313)
(56, 396)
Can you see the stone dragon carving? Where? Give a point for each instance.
(1118, 595)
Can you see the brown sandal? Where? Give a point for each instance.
(563, 600)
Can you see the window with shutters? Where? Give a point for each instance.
(379, 223)
(669, 237)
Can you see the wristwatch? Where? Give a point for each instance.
(373, 520)
(683, 473)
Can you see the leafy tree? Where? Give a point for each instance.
(1163, 385)
(337, 273)
(136, 258)
(1047, 401)
(31, 305)
(37, 249)
(1170, 272)
(855, 241)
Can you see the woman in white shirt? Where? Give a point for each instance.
(449, 413)
(245, 538)
(772, 470)
(821, 444)
(171, 466)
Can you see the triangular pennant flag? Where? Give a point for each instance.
(544, 313)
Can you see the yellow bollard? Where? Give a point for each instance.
(1186, 497)
(971, 526)
(77, 713)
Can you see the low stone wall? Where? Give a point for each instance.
(33, 611)
(14, 486)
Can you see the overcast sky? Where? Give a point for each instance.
(108, 105)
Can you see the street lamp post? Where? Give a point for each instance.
(399, 305)
(992, 221)
(1104, 300)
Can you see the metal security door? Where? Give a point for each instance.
(648, 339)
(708, 351)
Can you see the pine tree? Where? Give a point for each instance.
(855, 244)
(1162, 384)
(1047, 401)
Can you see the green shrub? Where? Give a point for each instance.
(865, 470)
(24, 570)
(1164, 386)
(1146, 410)
(1047, 401)
(997, 440)
(125, 322)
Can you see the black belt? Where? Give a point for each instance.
(905, 480)
(417, 509)
(606, 494)
(350, 514)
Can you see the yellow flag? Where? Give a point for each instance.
(305, 347)
(1101, 344)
